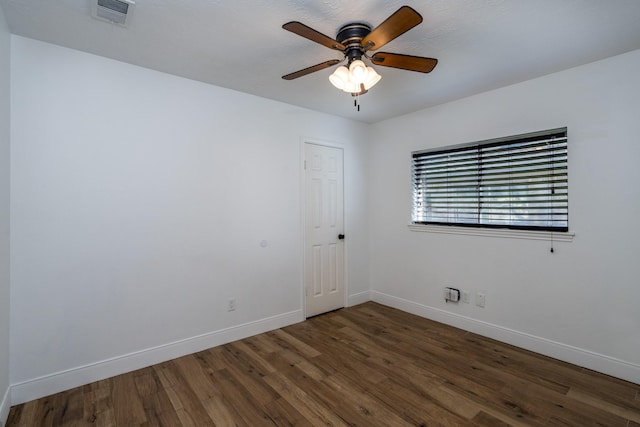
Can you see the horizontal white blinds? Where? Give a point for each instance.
(518, 182)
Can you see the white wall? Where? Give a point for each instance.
(580, 303)
(139, 199)
(4, 217)
(139, 202)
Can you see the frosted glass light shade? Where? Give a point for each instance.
(372, 78)
(351, 87)
(358, 71)
(339, 77)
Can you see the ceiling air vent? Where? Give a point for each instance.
(114, 11)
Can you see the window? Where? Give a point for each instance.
(518, 182)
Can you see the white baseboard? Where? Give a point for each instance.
(65, 380)
(359, 298)
(5, 406)
(577, 356)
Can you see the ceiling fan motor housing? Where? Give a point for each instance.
(351, 36)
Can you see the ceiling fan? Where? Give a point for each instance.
(354, 40)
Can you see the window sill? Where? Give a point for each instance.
(494, 232)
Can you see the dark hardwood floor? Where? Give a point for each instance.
(368, 365)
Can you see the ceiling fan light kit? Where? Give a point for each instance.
(350, 79)
(354, 41)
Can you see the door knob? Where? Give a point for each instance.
(341, 236)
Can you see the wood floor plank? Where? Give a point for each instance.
(127, 407)
(562, 407)
(222, 413)
(444, 394)
(300, 347)
(183, 398)
(417, 407)
(251, 410)
(588, 399)
(155, 400)
(486, 420)
(251, 379)
(249, 353)
(367, 365)
(261, 344)
(98, 407)
(197, 378)
(503, 357)
(282, 413)
(318, 391)
(360, 408)
(24, 415)
(312, 410)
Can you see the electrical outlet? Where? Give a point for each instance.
(480, 299)
(231, 304)
(466, 296)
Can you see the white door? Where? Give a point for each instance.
(324, 229)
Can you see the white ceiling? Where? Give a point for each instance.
(239, 44)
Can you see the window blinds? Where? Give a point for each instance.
(517, 182)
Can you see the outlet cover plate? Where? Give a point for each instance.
(466, 296)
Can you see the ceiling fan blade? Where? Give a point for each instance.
(399, 23)
(405, 62)
(311, 69)
(309, 33)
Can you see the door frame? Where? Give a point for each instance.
(303, 199)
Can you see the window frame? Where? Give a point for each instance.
(511, 229)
